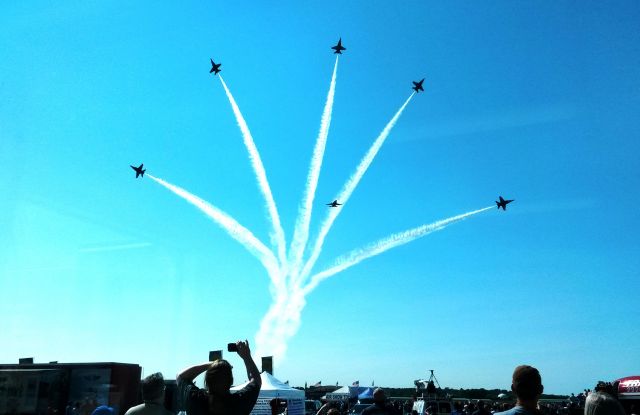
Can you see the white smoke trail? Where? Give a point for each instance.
(280, 324)
(382, 245)
(348, 188)
(233, 228)
(261, 176)
(283, 318)
(301, 230)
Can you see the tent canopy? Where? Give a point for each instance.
(272, 387)
(367, 394)
(629, 387)
(338, 395)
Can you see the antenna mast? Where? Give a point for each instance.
(427, 388)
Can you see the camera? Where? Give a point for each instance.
(232, 347)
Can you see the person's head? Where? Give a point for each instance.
(527, 383)
(333, 411)
(379, 396)
(219, 378)
(601, 403)
(153, 387)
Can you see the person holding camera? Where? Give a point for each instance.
(216, 398)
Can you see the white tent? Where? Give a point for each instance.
(339, 395)
(273, 388)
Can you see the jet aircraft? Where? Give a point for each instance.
(334, 204)
(503, 203)
(338, 48)
(417, 86)
(139, 171)
(215, 67)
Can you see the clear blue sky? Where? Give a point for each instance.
(537, 101)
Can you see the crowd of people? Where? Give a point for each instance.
(216, 397)
(527, 387)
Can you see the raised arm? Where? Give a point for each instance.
(252, 370)
(190, 373)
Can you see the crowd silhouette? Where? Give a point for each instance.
(216, 399)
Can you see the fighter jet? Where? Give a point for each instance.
(334, 204)
(417, 86)
(215, 67)
(338, 48)
(503, 203)
(139, 171)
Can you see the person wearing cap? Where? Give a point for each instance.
(217, 398)
(153, 390)
(526, 384)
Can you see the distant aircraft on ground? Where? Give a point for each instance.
(417, 86)
(215, 67)
(334, 204)
(139, 171)
(503, 203)
(338, 48)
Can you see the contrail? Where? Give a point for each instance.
(280, 323)
(382, 245)
(232, 227)
(301, 230)
(261, 176)
(114, 247)
(349, 187)
(290, 276)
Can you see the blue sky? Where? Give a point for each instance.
(536, 101)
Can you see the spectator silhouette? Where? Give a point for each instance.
(153, 390)
(482, 410)
(601, 403)
(527, 386)
(216, 399)
(380, 405)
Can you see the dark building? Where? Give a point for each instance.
(45, 388)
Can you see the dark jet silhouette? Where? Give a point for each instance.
(417, 86)
(334, 204)
(215, 67)
(503, 203)
(139, 171)
(338, 48)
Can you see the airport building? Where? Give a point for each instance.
(49, 388)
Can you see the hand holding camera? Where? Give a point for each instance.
(240, 347)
